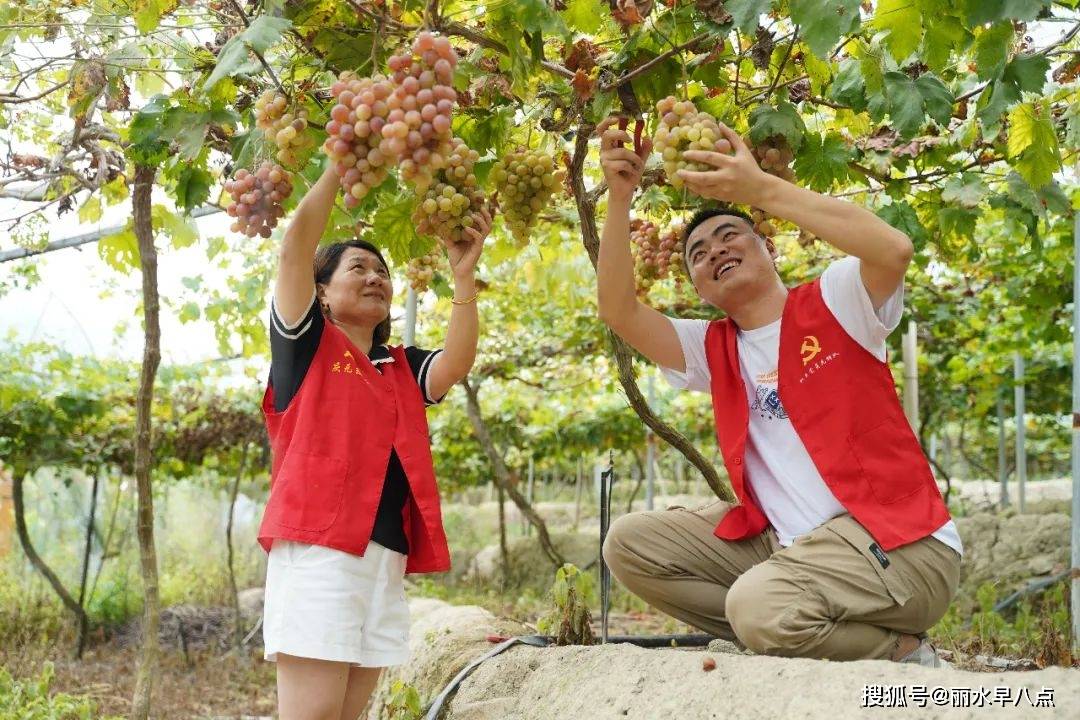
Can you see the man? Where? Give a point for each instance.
(841, 546)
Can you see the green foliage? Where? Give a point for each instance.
(569, 619)
(33, 699)
(1038, 628)
(403, 702)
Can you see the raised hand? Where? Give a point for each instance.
(737, 178)
(464, 254)
(622, 166)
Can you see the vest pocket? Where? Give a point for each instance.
(884, 454)
(309, 491)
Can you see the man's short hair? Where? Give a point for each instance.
(705, 214)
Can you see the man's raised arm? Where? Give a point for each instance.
(884, 251)
(645, 329)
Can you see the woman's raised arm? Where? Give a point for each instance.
(295, 283)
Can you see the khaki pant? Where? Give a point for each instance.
(825, 596)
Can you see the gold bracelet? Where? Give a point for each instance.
(465, 302)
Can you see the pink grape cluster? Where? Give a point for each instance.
(451, 198)
(656, 254)
(421, 106)
(257, 197)
(362, 154)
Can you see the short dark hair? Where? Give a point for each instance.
(327, 259)
(706, 214)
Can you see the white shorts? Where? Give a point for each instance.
(331, 605)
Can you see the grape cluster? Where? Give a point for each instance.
(683, 127)
(421, 270)
(763, 224)
(526, 180)
(355, 141)
(281, 126)
(418, 124)
(774, 155)
(656, 253)
(257, 198)
(452, 196)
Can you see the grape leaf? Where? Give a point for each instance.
(937, 98)
(957, 221)
(147, 144)
(985, 11)
(823, 22)
(746, 14)
(905, 103)
(903, 217)
(784, 119)
(1028, 72)
(1033, 143)
(996, 100)
(945, 34)
(823, 161)
(192, 186)
(584, 15)
(263, 32)
(392, 228)
(967, 190)
(120, 251)
(902, 21)
(848, 87)
(992, 49)
(910, 101)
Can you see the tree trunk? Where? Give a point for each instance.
(106, 540)
(638, 481)
(144, 233)
(84, 625)
(624, 358)
(503, 477)
(238, 629)
(504, 551)
(28, 548)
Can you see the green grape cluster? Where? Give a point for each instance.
(526, 180)
(683, 127)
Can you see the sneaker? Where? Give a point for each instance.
(925, 655)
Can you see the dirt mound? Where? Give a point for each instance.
(1009, 550)
(623, 681)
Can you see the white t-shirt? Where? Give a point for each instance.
(780, 474)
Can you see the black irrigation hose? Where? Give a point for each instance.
(644, 641)
(1032, 588)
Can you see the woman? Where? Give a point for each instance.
(353, 503)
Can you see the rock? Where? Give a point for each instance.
(251, 603)
(443, 639)
(1039, 495)
(529, 566)
(611, 682)
(1009, 551)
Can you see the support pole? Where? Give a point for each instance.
(911, 376)
(1021, 450)
(650, 451)
(526, 528)
(1003, 473)
(1075, 593)
(410, 318)
(577, 495)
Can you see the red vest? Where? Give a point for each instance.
(842, 403)
(331, 447)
